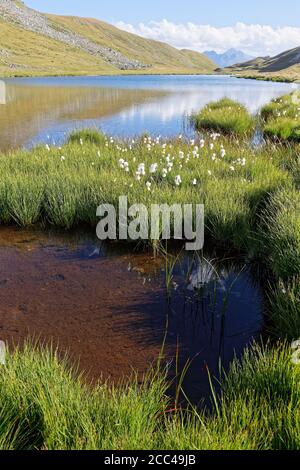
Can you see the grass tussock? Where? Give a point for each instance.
(281, 118)
(43, 406)
(225, 116)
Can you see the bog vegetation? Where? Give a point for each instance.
(252, 204)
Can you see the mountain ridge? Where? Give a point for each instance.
(230, 57)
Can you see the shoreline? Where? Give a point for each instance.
(154, 74)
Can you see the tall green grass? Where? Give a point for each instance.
(281, 223)
(44, 406)
(64, 187)
(284, 309)
(225, 116)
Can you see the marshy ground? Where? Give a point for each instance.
(251, 198)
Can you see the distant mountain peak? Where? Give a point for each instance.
(228, 58)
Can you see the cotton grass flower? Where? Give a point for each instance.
(295, 346)
(178, 180)
(153, 168)
(141, 169)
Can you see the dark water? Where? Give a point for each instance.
(45, 110)
(111, 308)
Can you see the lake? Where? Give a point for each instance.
(46, 110)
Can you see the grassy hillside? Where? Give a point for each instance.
(284, 66)
(27, 53)
(160, 56)
(33, 52)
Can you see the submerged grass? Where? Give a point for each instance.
(44, 406)
(225, 116)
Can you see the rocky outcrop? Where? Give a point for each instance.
(31, 20)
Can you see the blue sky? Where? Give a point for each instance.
(258, 27)
(217, 13)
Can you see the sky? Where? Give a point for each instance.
(258, 27)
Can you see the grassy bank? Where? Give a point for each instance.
(44, 406)
(64, 186)
(282, 118)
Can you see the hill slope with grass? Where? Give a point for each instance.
(33, 43)
(285, 66)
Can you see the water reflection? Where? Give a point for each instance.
(44, 110)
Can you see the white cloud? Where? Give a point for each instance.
(253, 39)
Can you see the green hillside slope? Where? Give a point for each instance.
(35, 44)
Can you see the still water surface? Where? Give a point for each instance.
(45, 110)
(110, 309)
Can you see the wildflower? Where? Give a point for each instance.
(153, 168)
(223, 153)
(296, 357)
(296, 344)
(231, 168)
(148, 185)
(164, 173)
(211, 146)
(141, 169)
(202, 143)
(194, 182)
(121, 163)
(62, 158)
(178, 180)
(181, 155)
